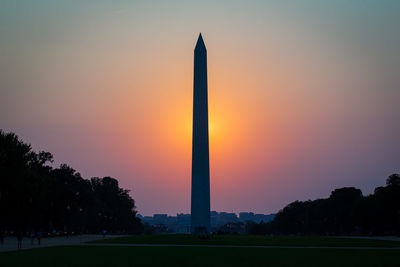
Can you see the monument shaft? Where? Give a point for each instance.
(200, 205)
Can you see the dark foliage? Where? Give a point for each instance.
(34, 196)
(345, 212)
(232, 228)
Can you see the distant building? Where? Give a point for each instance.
(181, 223)
(257, 218)
(160, 218)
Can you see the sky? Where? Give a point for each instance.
(303, 95)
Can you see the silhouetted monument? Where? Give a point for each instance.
(200, 206)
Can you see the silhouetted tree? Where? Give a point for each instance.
(393, 180)
(34, 196)
(345, 212)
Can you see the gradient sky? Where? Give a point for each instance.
(303, 95)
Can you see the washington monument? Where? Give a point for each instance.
(200, 206)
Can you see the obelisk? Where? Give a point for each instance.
(200, 206)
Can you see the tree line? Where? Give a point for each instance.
(345, 212)
(34, 196)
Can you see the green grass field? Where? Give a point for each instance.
(369, 253)
(198, 256)
(247, 240)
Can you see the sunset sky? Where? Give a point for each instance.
(304, 96)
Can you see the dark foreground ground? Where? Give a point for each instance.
(198, 256)
(249, 240)
(291, 251)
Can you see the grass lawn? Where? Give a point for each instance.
(198, 256)
(252, 240)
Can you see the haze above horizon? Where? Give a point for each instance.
(303, 97)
